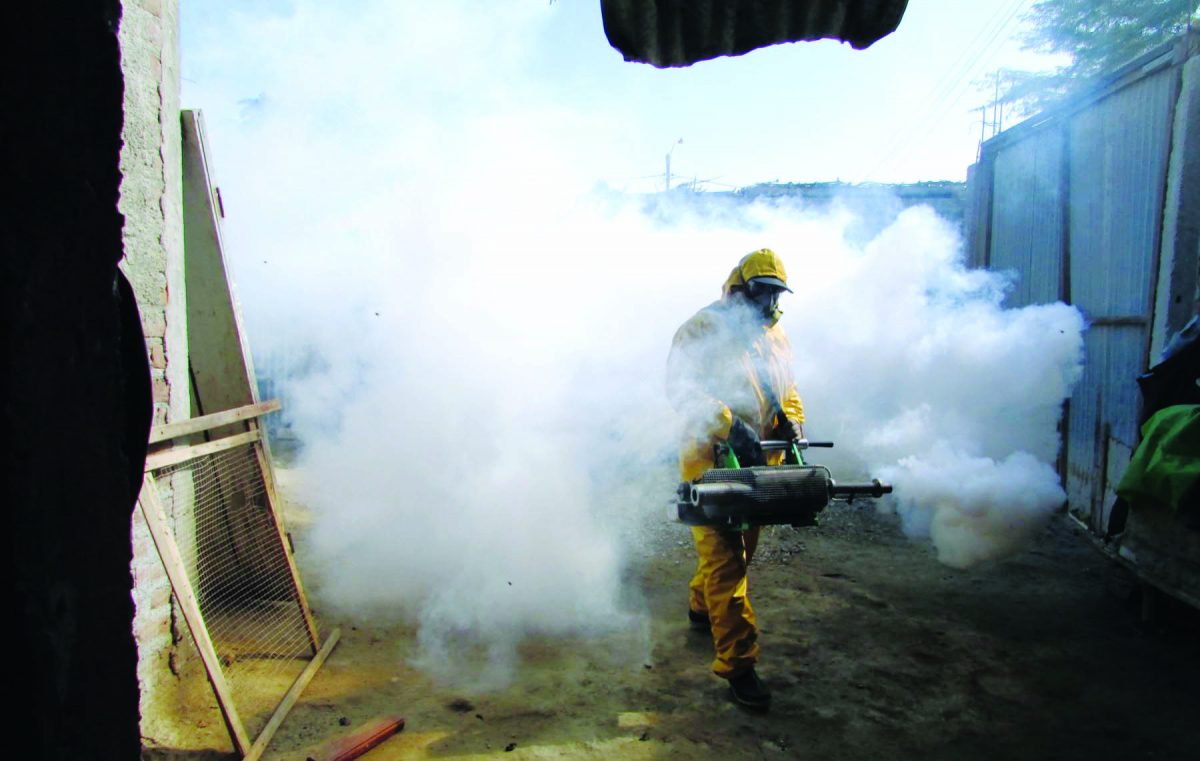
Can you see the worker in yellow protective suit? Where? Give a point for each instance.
(729, 377)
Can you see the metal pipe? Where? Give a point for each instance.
(716, 491)
(874, 489)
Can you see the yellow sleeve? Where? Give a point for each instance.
(704, 417)
(793, 408)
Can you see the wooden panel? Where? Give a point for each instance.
(176, 455)
(208, 422)
(219, 358)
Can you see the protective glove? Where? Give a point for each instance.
(744, 443)
(788, 430)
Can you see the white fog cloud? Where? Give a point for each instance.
(476, 343)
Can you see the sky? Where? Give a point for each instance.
(903, 110)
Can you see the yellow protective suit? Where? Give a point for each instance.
(727, 360)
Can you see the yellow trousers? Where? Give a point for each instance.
(720, 589)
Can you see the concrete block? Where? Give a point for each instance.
(160, 645)
(160, 597)
(148, 571)
(162, 389)
(153, 629)
(158, 354)
(154, 321)
(143, 548)
(149, 28)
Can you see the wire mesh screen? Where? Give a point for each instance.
(233, 553)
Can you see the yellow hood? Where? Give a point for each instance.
(761, 263)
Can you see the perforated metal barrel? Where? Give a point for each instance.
(763, 495)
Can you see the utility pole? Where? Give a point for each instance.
(982, 131)
(996, 113)
(997, 109)
(667, 176)
(997, 118)
(984, 124)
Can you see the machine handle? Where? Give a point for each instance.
(770, 445)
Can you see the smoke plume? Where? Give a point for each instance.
(469, 337)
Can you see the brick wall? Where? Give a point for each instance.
(152, 202)
(151, 192)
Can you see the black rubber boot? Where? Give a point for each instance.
(749, 690)
(699, 621)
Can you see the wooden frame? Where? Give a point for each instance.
(264, 464)
(293, 694)
(168, 551)
(160, 433)
(176, 455)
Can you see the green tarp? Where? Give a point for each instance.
(1165, 467)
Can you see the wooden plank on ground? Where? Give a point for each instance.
(168, 552)
(208, 422)
(176, 455)
(293, 694)
(359, 741)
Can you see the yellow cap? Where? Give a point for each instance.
(763, 265)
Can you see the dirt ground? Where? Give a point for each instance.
(872, 648)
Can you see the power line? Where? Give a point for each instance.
(949, 88)
(954, 92)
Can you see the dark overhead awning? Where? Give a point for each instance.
(681, 32)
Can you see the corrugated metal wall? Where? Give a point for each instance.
(1027, 218)
(1118, 151)
(1073, 203)
(978, 213)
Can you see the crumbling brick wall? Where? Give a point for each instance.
(152, 202)
(152, 195)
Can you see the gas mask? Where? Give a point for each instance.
(764, 297)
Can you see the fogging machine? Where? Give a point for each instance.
(733, 497)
